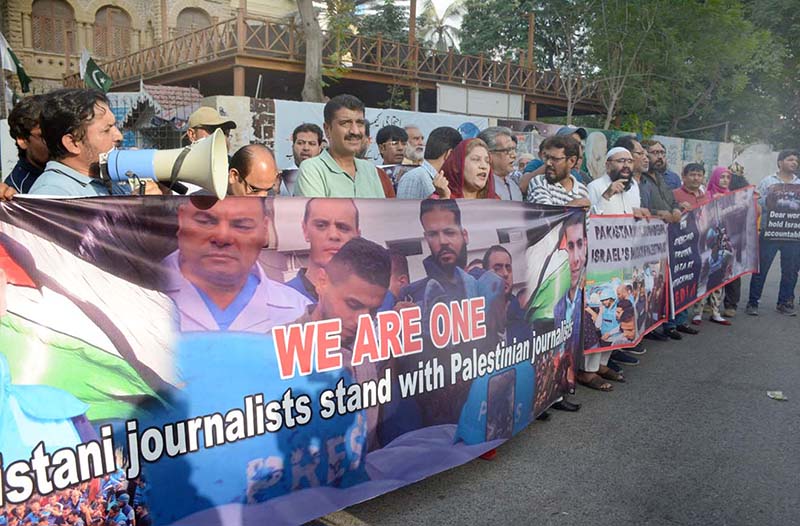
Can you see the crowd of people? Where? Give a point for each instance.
(110, 501)
(61, 135)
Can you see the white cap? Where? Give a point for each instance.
(614, 151)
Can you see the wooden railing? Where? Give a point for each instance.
(281, 41)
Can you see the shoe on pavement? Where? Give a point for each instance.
(624, 358)
(751, 310)
(615, 367)
(564, 405)
(697, 319)
(787, 309)
(657, 336)
(729, 313)
(639, 349)
(719, 319)
(686, 329)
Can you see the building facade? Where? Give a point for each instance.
(49, 35)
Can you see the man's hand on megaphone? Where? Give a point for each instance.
(6, 192)
(153, 188)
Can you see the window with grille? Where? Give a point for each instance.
(53, 25)
(112, 32)
(191, 19)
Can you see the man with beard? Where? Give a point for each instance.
(503, 158)
(617, 192)
(336, 172)
(447, 240)
(655, 195)
(557, 186)
(77, 125)
(327, 225)
(415, 148)
(214, 277)
(352, 284)
(657, 157)
(447, 281)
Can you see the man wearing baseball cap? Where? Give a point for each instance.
(205, 121)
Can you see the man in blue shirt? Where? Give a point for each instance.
(78, 125)
(23, 124)
(420, 183)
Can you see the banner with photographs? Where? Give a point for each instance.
(711, 246)
(780, 220)
(271, 360)
(626, 290)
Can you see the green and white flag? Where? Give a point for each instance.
(92, 75)
(10, 62)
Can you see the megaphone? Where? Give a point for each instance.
(203, 163)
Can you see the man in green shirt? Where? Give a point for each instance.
(336, 172)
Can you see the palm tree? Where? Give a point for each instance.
(441, 32)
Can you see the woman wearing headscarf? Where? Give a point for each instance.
(468, 171)
(718, 184)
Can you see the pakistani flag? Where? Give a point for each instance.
(10, 62)
(92, 75)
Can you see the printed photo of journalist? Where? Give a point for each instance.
(722, 241)
(619, 310)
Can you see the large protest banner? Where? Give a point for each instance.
(626, 289)
(155, 343)
(780, 219)
(711, 246)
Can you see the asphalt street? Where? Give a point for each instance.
(691, 438)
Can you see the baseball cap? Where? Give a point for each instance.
(569, 130)
(206, 116)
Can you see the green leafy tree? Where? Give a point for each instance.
(390, 21)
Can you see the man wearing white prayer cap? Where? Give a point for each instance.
(617, 192)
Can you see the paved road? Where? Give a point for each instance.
(692, 438)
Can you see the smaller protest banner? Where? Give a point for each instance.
(711, 246)
(626, 281)
(781, 217)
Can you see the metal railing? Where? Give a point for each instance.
(281, 41)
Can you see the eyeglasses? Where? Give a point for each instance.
(622, 161)
(253, 190)
(555, 160)
(506, 151)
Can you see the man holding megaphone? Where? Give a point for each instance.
(77, 125)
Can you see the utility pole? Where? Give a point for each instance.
(413, 50)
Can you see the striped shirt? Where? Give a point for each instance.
(546, 193)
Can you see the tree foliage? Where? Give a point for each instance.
(389, 20)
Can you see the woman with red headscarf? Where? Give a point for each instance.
(468, 171)
(718, 184)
